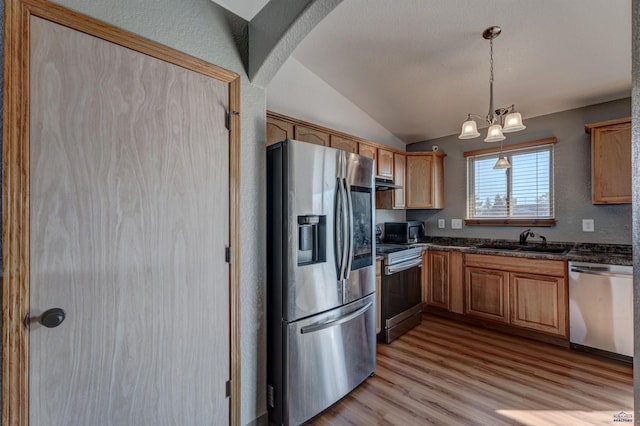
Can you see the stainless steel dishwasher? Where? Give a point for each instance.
(601, 309)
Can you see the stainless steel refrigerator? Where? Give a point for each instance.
(321, 336)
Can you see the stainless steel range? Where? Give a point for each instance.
(401, 293)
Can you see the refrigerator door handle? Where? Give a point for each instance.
(323, 325)
(350, 230)
(340, 229)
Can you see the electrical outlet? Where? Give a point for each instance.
(587, 225)
(456, 223)
(441, 224)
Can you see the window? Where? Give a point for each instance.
(519, 195)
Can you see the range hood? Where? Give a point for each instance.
(385, 184)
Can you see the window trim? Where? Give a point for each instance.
(506, 221)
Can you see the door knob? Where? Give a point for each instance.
(52, 317)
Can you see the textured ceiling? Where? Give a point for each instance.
(418, 67)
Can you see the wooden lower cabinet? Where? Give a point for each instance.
(443, 280)
(437, 270)
(525, 293)
(487, 294)
(536, 302)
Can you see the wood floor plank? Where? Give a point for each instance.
(449, 373)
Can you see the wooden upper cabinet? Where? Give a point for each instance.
(424, 187)
(344, 144)
(385, 163)
(399, 166)
(610, 161)
(368, 151)
(278, 130)
(307, 134)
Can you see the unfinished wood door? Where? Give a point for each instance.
(129, 202)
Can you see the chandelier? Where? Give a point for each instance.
(501, 120)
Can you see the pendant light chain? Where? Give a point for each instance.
(491, 118)
(491, 60)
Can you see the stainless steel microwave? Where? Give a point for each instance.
(403, 232)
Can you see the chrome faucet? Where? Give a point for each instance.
(524, 235)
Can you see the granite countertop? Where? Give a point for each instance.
(615, 254)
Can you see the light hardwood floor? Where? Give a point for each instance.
(448, 373)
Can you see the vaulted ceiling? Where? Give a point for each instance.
(418, 67)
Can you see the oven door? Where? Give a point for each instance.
(401, 298)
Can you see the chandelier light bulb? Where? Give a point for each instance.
(513, 123)
(469, 130)
(502, 163)
(494, 134)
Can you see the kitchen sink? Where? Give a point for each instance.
(499, 247)
(553, 250)
(514, 247)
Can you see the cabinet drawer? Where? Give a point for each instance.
(556, 268)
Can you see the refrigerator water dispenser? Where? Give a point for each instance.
(311, 239)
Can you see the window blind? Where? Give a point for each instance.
(523, 191)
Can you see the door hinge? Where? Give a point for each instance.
(228, 388)
(227, 255)
(228, 118)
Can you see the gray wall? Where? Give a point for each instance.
(572, 180)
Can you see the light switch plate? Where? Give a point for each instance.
(441, 224)
(456, 223)
(587, 225)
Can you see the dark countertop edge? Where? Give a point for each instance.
(580, 252)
